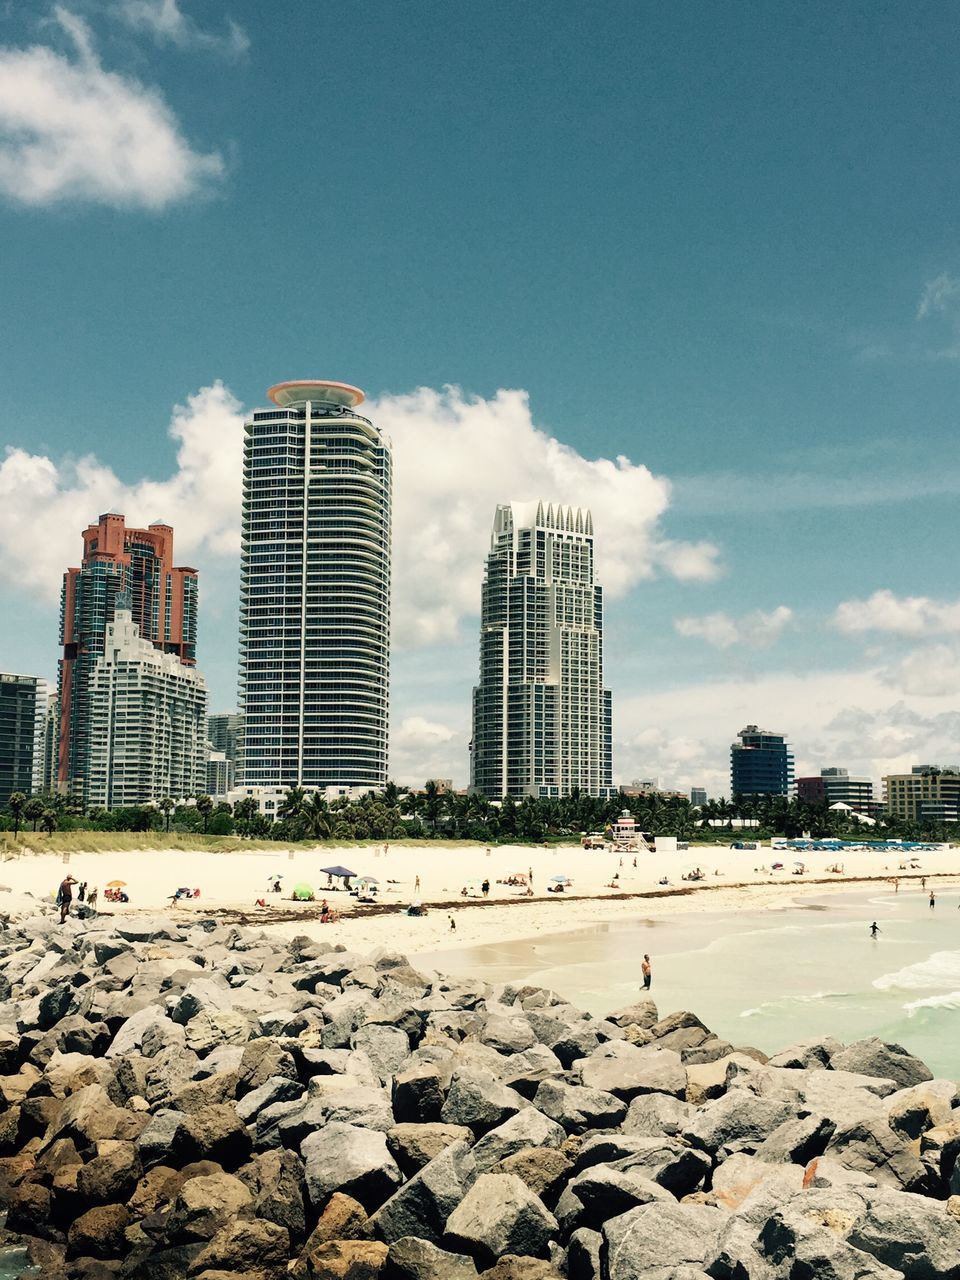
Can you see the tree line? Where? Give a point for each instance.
(397, 812)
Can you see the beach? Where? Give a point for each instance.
(231, 883)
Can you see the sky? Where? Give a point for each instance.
(694, 266)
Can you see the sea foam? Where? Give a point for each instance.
(950, 1001)
(942, 969)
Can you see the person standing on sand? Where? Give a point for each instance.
(933, 900)
(923, 882)
(453, 924)
(874, 929)
(416, 884)
(896, 884)
(530, 875)
(647, 972)
(485, 888)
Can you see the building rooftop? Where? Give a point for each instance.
(285, 394)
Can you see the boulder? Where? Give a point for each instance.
(642, 1014)
(656, 1115)
(387, 1047)
(499, 1215)
(110, 1177)
(583, 1254)
(910, 1234)
(577, 1108)
(797, 1141)
(205, 1204)
(871, 1146)
(274, 1089)
(654, 1240)
(422, 1205)
(740, 1175)
(343, 1218)
(737, 1117)
(344, 1157)
(513, 1267)
(872, 1057)
(545, 1170)
(276, 1182)
(99, 1233)
(217, 1133)
(626, 1071)
(418, 1095)
(528, 1128)
(415, 1145)
(479, 1102)
(343, 1260)
(604, 1193)
(244, 1246)
(413, 1259)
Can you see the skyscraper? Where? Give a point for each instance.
(163, 603)
(223, 731)
(761, 763)
(148, 720)
(314, 591)
(23, 712)
(541, 716)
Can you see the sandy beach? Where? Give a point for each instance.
(230, 883)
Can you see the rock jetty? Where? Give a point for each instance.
(208, 1102)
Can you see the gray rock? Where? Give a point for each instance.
(386, 1047)
(583, 1254)
(797, 1244)
(413, 1259)
(422, 1205)
(164, 1140)
(508, 1032)
(528, 1128)
(527, 1070)
(344, 1157)
(642, 1014)
(655, 1115)
(577, 1108)
(275, 1089)
(336, 1098)
(873, 1057)
(871, 1146)
(414, 1145)
(626, 1071)
(814, 1052)
(738, 1116)
(671, 1163)
(911, 1234)
(479, 1102)
(500, 1215)
(418, 1095)
(653, 1240)
(604, 1193)
(797, 1141)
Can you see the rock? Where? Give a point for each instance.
(513, 1268)
(705, 1080)
(810, 1244)
(577, 1108)
(871, 1146)
(911, 1234)
(479, 1102)
(873, 1057)
(343, 1260)
(655, 1239)
(274, 1089)
(164, 1138)
(508, 1033)
(913, 1111)
(604, 1193)
(262, 1060)
(740, 1175)
(422, 1205)
(525, 1071)
(627, 1071)
(110, 1177)
(413, 1259)
(343, 1218)
(88, 1117)
(338, 1098)
(814, 1052)
(245, 1246)
(583, 1254)
(204, 1204)
(344, 1157)
(99, 1233)
(642, 1014)
(217, 1133)
(669, 1162)
(528, 1128)
(544, 1169)
(414, 1145)
(739, 1117)
(654, 1115)
(499, 1215)
(276, 1182)
(418, 1095)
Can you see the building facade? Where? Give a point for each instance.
(541, 716)
(314, 592)
(838, 786)
(163, 601)
(23, 718)
(698, 797)
(223, 733)
(761, 763)
(148, 714)
(928, 793)
(219, 774)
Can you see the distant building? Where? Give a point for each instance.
(23, 718)
(219, 773)
(541, 716)
(223, 733)
(269, 799)
(761, 763)
(163, 605)
(698, 797)
(837, 786)
(314, 591)
(147, 714)
(928, 793)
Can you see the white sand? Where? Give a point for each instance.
(236, 880)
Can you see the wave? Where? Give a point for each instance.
(942, 969)
(769, 1006)
(950, 1001)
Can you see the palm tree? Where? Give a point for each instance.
(48, 820)
(432, 802)
(293, 803)
(166, 808)
(16, 805)
(316, 816)
(33, 810)
(204, 808)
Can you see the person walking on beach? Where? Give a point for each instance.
(874, 929)
(896, 884)
(485, 888)
(530, 875)
(933, 900)
(453, 924)
(82, 891)
(923, 882)
(416, 884)
(65, 897)
(647, 973)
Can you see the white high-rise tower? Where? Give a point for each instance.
(314, 592)
(541, 716)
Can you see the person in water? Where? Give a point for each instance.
(647, 972)
(933, 900)
(874, 929)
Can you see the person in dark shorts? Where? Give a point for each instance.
(647, 973)
(874, 929)
(65, 897)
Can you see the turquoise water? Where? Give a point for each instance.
(13, 1263)
(766, 978)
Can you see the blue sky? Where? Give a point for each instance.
(719, 241)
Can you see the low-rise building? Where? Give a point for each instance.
(928, 793)
(838, 786)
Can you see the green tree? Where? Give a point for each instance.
(16, 804)
(204, 808)
(315, 816)
(292, 804)
(48, 820)
(166, 808)
(33, 810)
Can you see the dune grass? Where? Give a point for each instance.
(36, 842)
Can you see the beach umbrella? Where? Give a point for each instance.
(561, 880)
(337, 871)
(303, 892)
(368, 880)
(116, 884)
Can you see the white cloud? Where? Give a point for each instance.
(939, 295)
(930, 671)
(167, 23)
(456, 457)
(758, 630)
(898, 615)
(45, 505)
(421, 749)
(70, 130)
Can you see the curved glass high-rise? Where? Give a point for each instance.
(314, 591)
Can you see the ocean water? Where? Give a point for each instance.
(766, 978)
(14, 1262)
